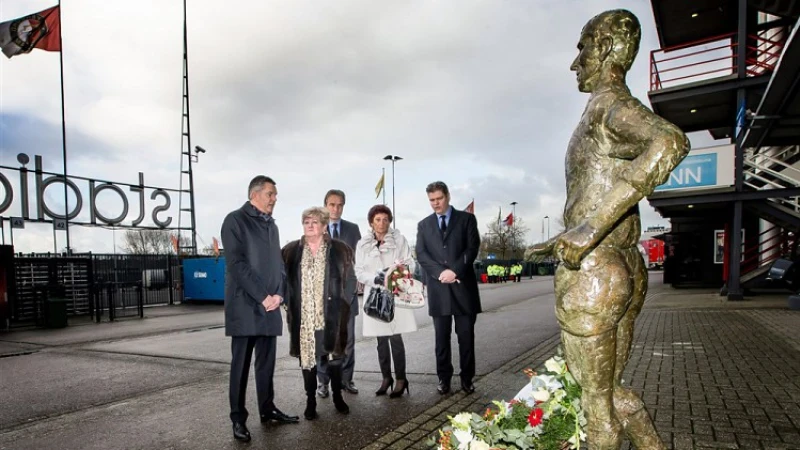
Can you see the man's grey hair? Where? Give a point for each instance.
(316, 212)
(257, 184)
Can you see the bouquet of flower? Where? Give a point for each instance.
(407, 292)
(546, 414)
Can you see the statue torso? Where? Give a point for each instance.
(592, 168)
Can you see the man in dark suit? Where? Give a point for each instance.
(447, 245)
(348, 232)
(254, 290)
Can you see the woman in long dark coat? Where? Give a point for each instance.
(317, 310)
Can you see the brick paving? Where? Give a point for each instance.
(714, 375)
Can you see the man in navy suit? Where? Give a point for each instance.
(447, 245)
(348, 232)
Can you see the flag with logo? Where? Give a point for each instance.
(379, 186)
(471, 207)
(174, 240)
(509, 220)
(40, 30)
(215, 246)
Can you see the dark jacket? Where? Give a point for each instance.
(456, 250)
(253, 270)
(337, 305)
(351, 234)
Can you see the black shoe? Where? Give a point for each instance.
(322, 390)
(350, 387)
(443, 388)
(385, 386)
(340, 404)
(240, 432)
(402, 385)
(278, 416)
(311, 409)
(468, 388)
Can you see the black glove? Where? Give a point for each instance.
(380, 278)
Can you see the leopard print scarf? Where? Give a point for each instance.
(312, 318)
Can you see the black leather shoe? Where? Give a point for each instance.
(240, 432)
(468, 388)
(443, 388)
(323, 391)
(350, 387)
(278, 416)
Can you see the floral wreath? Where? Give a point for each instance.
(407, 292)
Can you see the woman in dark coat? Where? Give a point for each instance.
(317, 310)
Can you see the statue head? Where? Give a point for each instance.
(608, 45)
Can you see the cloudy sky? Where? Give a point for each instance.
(313, 93)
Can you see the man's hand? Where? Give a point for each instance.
(572, 246)
(447, 276)
(272, 302)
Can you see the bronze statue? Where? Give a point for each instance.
(617, 155)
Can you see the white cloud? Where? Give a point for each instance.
(477, 94)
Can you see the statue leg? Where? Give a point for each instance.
(590, 303)
(628, 405)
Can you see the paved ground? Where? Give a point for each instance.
(714, 374)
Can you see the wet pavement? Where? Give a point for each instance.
(161, 382)
(713, 373)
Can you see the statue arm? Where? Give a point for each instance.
(663, 147)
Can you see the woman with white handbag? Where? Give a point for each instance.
(378, 254)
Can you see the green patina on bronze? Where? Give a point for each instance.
(617, 155)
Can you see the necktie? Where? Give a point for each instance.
(443, 225)
(336, 231)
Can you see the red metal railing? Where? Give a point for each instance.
(714, 57)
(771, 244)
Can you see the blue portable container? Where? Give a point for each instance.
(204, 279)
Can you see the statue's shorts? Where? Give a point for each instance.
(593, 299)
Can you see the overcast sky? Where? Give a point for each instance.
(314, 94)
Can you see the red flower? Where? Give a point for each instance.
(535, 418)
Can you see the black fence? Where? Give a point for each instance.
(95, 285)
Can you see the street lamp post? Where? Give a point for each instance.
(393, 158)
(548, 227)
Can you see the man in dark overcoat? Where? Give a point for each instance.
(254, 290)
(447, 245)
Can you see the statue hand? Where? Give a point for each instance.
(540, 249)
(572, 246)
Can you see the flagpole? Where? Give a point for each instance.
(383, 178)
(63, 129)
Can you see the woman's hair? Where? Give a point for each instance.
(316, 212)
(379, 209)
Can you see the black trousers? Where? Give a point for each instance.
(242, 352)
(465, 330)
(397, 352)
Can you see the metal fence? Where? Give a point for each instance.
(96, 285)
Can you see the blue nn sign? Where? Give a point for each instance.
(693, 172)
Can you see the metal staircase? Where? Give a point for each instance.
(772, 168)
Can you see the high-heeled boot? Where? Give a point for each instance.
(310, 384)
(402, 385)
(336, 386)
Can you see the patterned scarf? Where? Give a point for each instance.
(312, 314)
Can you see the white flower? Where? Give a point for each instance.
(541, 395)
(478, 445)
(548, 382)
(462, 421)
(464, 437)
(555, 365)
